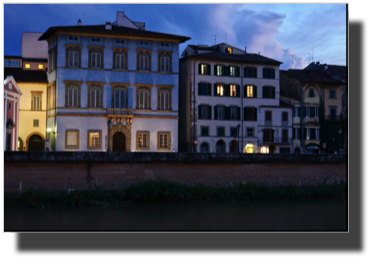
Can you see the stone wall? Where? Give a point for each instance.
(76, 170)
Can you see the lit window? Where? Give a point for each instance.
(249, 148)
(94, 139)
(233, 91)
(232, 71)
(27, 66)
(40, 66)
(229, 50)
(249, 91)
(72, 139)
(219, 71)
(264, 150)
(219, 90)
(142, 140)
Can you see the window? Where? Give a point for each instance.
(143, 60)
(268, 73)
(317, 134)
(15, 63)
(95, 59)
(234, 132)
(119, 97)
(204, 148)
(204, 89)
(120, 58)
(143, 98)
(268, 135)
(220, 131)
(52, 57)
(307, 111)
(219, 90)
(40, 66)
(204, 69)
(332, 94)
(96, 40)
(142, 140)
(72, 97)
(229, 50)
(308, 134)
(250, 132)
(94, 139)
(269, 92)
(285, 116)
(250, 72)
(164, 141)
(72, 139)
(311, 92)
(233, 91)
(333, 112)
(165, 44)
(268, 115)
(51, 96)
(36, 100)
(219, 113)
(250, 114)
(27, 66)
(204, 131)
(232, 71)
(95, 96)
(6, 63)
(9, 106)
(120, 41)
(164, 99)
(144, 43)
(10, 85)
(36, 123)
(73, 56)
(164, 59)
(218, 70)
(234, 113)
(296, 133)
(284, 135)
(73, 38)
(251, 92)
(297, 112)
(316, 113)
(204, 112)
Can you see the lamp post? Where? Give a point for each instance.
(108, 138)
(238, 130)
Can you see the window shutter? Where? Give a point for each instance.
(237, 90)
(227, 115)
(245, 72)
(304, 112)
(215, 70)
(245, 91)
(237, 71)
(208, 69)
(215, 89)
(304, 134)
(273, 74)
(254, 114)
(208, 89)
(245, 114)
(215, 112)
(226, 90)
(199, 112)
(238, 113)
(199, 68)
(75, 97)
(166, 100)
(255, 72)
(169, 100)
(312, 134)
(226, 70)
(264, 92)
(255, 91)
(137, 99)
(312, 112)
(148, 104)
(199, 88)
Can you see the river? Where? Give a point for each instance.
(326, 215)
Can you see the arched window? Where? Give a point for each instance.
(205, 148)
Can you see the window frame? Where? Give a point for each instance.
(72, 84)
(121, 52)
(247, 70)
(96, 42)
(269, 73)
(73, 48)
(143, 89)
(77, 131)
(99, 146)
(218, 128)
(162, 91)
(167, 55)
(269, 90)
(207, 128)
(123, 88)
(36, 123)
(146, 54)
(93, 87)
(204, 112)
(120, 39)
(36, 94)
(253, 132)
(330, 94)
(168, 135)
(147, 146)
(72, 38)
(95, 50)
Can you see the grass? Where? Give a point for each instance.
(162, 191)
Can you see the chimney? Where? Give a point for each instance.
(108, 26)
(326, 67)
(79, 23)
(245, 49)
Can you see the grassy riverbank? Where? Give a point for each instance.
(168, 192)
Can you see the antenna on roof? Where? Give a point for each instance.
(215, 39)
(226, 36)
(312, 52)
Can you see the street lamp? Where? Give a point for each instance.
(109, 123)
(238, 130)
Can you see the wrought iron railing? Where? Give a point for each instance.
(120, 111)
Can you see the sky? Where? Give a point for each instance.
(295, 34)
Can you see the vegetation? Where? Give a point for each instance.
(168, 192)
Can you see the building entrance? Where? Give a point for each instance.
(36, 143)
(118, 141)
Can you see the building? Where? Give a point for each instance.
(230, 102)
(316, 102)
(112, 87)
(12, 96)
(29, 72)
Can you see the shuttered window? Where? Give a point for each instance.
(96, 59)
(72, 97)
(268, 73)
(95, 98)
(120, 98)
(120, 61)
(73, 58)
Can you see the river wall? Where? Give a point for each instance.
(112, 170)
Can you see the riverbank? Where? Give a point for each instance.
(152, 191)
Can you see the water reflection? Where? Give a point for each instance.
(253, 216)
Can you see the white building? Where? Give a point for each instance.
(225, 95)
(112, 86)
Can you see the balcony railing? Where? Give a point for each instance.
(120, 111)
(277, 140)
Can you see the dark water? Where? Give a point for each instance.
(255, 216)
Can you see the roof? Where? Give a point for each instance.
(14, 87)
(116, 30)
(315, 76)
(12, 57)
(194, 47)
(35, 59)
(246, 58)
(26, 76)
(334, 69)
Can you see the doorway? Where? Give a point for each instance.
(118, 141)
(36, 143)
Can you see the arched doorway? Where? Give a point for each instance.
(36, 143)
(20, 144)
(272, 149)
(204, 148)
(297, 150)
(220, 147)
(233, 147)
(118, 141)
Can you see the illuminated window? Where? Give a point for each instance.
(249, 91)
(219, 70)
(94, 139)
(249, 148)
(142, 140)
(229, 50)
(27, 66)
(72, 139)
(264, 150)
(219, 90)
(232, 71)
(204, 69)
(40, 66)
(233, 91)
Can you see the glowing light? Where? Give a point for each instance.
(264, 150)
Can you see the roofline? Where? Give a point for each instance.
(199, 56)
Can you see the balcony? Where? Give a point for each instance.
(120, 112)
(277, 140)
